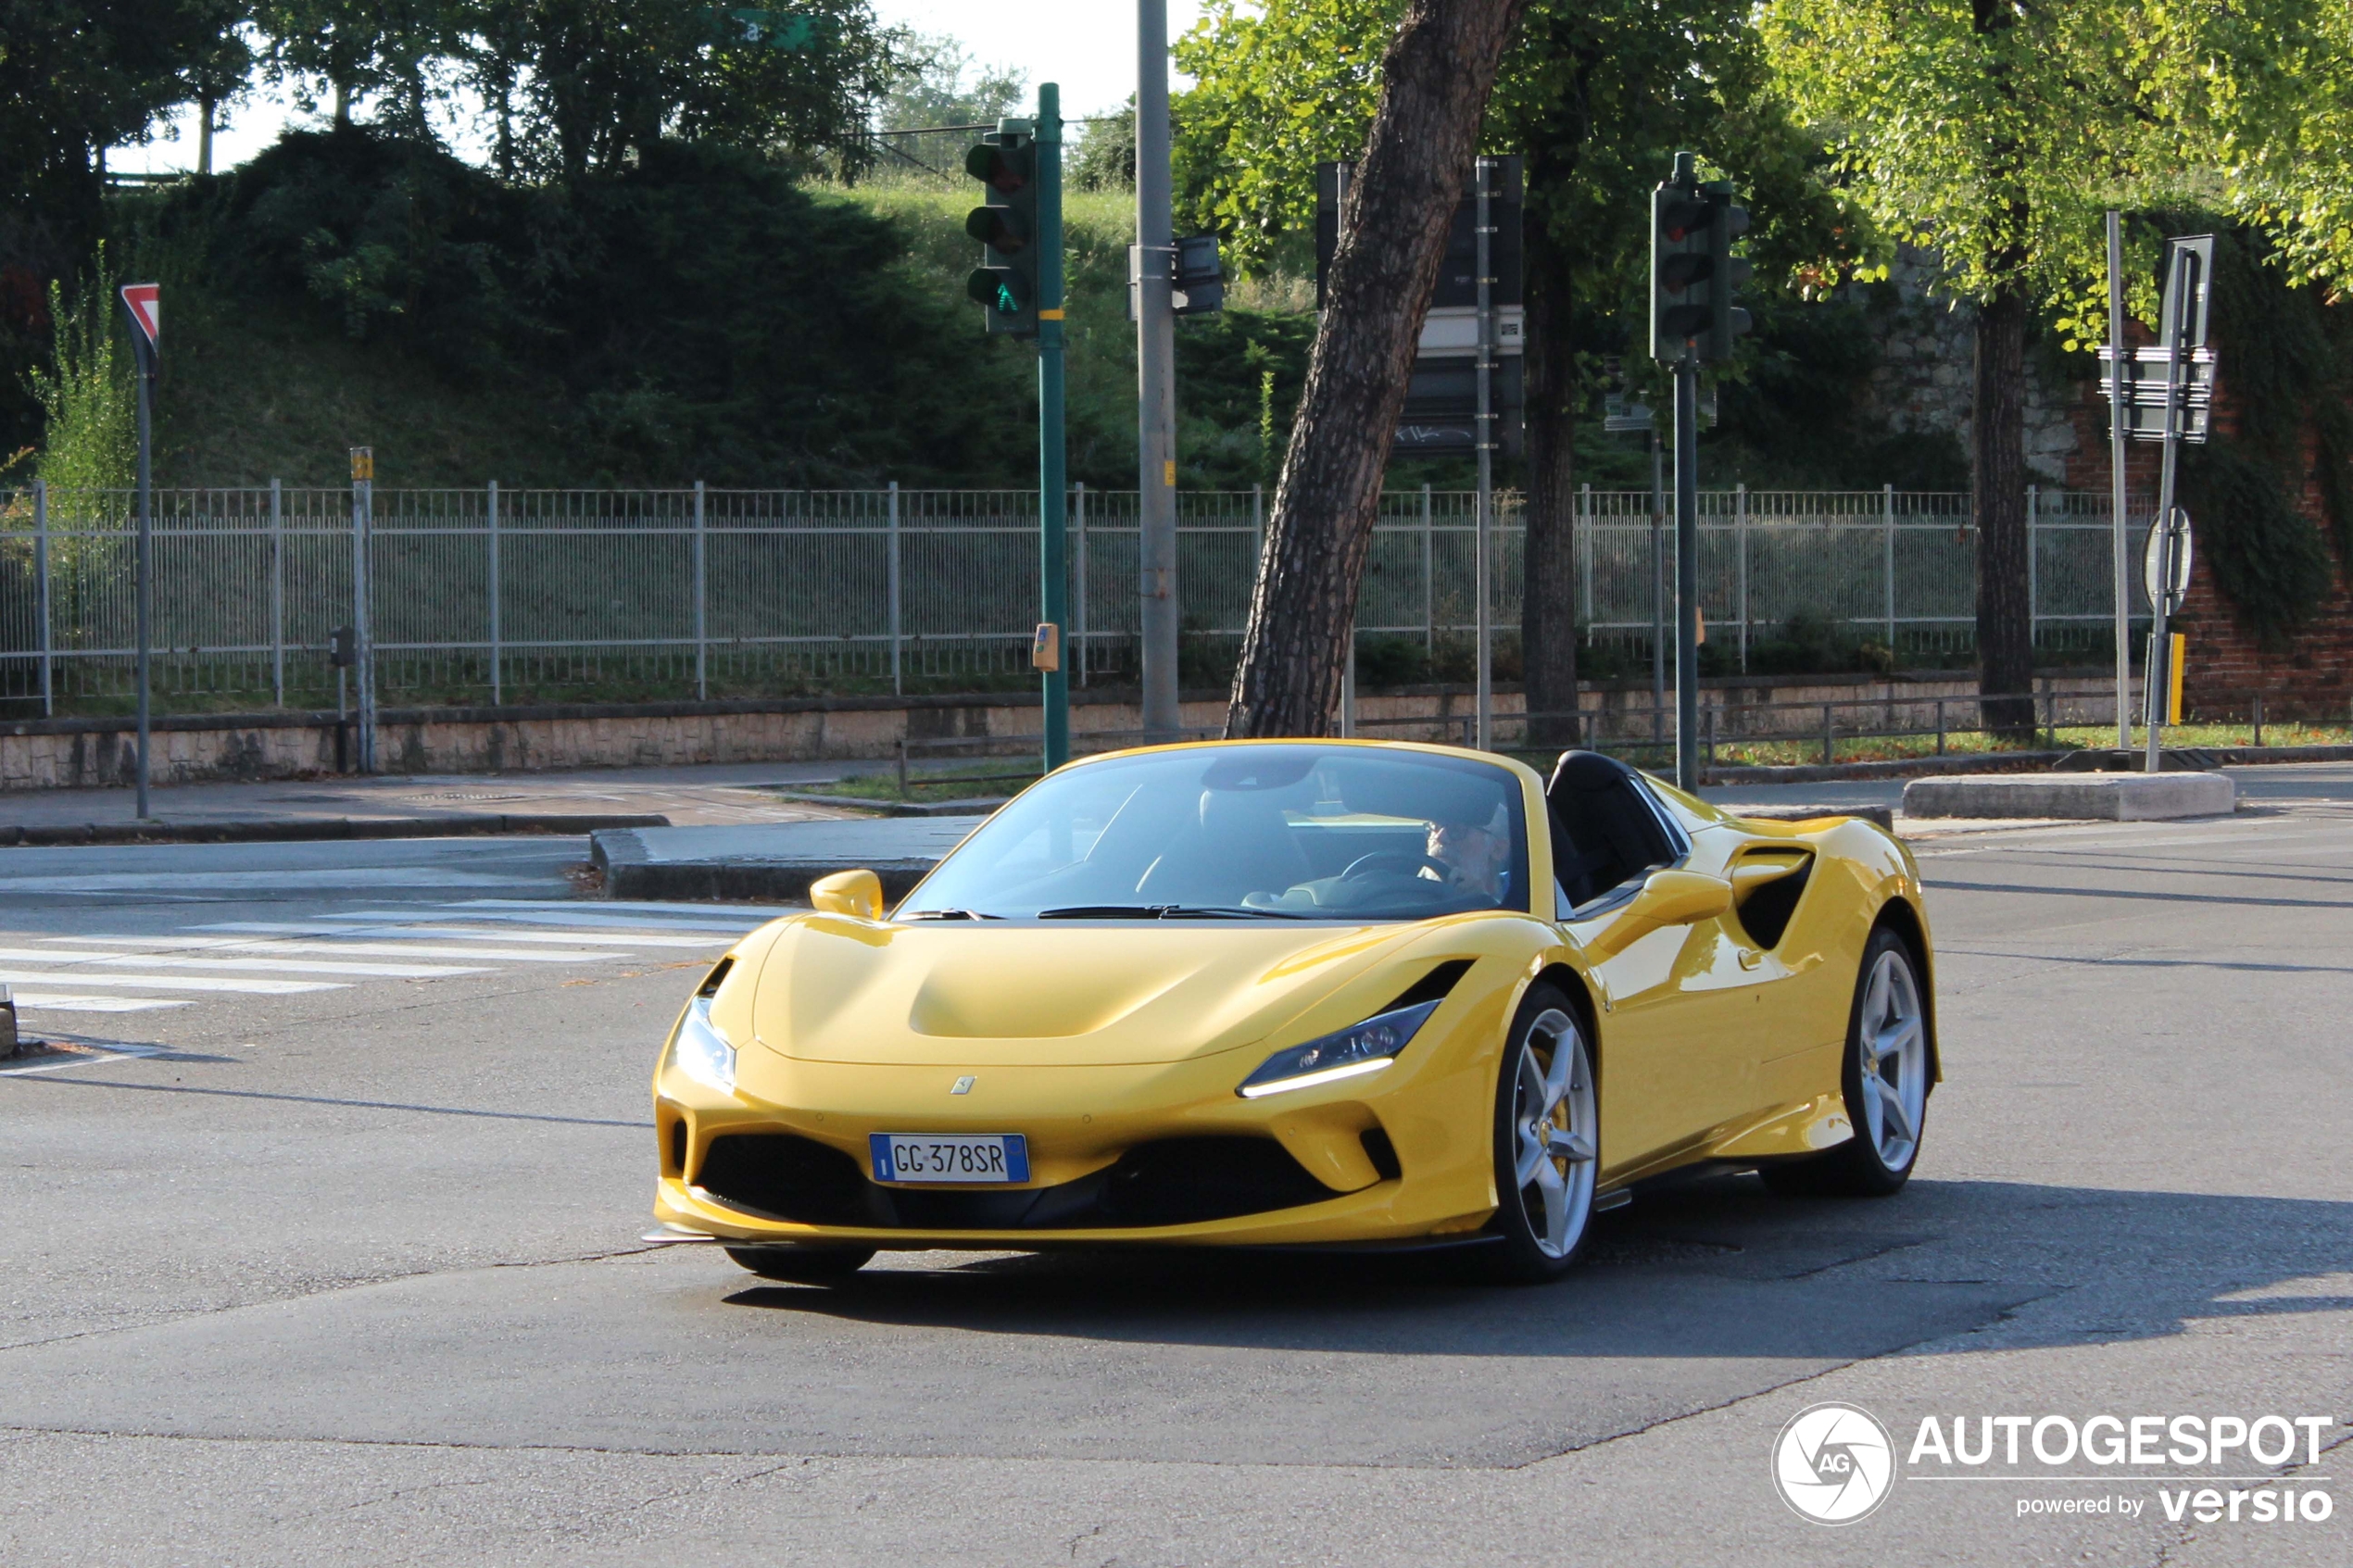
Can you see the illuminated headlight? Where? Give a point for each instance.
(1365, 1047)
(700, 1052)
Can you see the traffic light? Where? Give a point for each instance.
(1726, 272)
(1005, 285)
(1693, 270)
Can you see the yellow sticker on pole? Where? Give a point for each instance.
(363, 462)
(2174, 679)
(1168, 473)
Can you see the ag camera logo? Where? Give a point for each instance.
(1834, 1463)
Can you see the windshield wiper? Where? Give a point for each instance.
(1166, 912)
(948, 914)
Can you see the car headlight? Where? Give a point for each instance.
(701, 1052)
(1364, 1047)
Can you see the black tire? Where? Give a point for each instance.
(803, 1266)
(1861, 1167)
(1523, 1253)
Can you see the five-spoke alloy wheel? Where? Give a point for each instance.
(1547, 1139)
(1886, 1082)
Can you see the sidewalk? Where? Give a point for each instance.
(423, 804)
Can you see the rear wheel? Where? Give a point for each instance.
(1547, 1141)
(1885, 1079)
(803, 1266)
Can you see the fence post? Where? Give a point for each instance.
(891, 542)
(1430, 611)
(1740, 541)
(277, 594)
(702, 600)
(1079, 606)
(41, 576)
(2259, 718)
(1887, 531)
(1829, 737)
(2034, 563)
(498, 649)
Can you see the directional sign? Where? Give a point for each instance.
(2152, 564)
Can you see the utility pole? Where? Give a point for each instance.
(1151, 266)
(1483, 222)
(1687, 570)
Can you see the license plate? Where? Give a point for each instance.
(949, 1157)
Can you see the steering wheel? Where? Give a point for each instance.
(1404, 863)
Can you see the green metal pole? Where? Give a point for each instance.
(1052, 503)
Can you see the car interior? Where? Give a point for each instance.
(1606, 834)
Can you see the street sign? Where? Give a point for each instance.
(2152, 565)
(144, 304)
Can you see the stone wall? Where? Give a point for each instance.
(97, 753)
(1923, 382)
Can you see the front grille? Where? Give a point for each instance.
(1169, 1182)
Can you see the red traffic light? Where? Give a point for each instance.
(994, 167)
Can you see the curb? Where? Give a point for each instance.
(977, 806)
(1898, 768)
(303, 830)
(630, 872)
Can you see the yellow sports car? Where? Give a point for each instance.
(1362, 995)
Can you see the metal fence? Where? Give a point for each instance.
(498, 594)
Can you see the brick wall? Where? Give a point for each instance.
(2225, 665)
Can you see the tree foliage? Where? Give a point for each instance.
(935, 80)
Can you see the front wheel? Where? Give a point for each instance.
(1885, 1079)
(803, 1266)
(1547, 1141)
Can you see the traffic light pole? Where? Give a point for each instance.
(1052, 492)
(1155, 377)
(145, 559)
(1686, 572)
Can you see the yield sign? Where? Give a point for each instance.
(145, 301)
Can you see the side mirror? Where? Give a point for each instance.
(1668, 897)
(1680, 898)
(856, 894)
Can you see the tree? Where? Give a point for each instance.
(935, 80)
(1436, 76)
(1994, 130)
(1598, 96)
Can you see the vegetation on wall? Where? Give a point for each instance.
(2286, 356)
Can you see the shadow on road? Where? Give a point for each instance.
(1717, 1268)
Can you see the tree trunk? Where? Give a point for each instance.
(1435, 80)
(1548, 600)
(1997, 440)
(203, 134)
(343, 106)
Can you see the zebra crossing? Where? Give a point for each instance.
(203, 961)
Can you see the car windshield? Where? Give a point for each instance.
(1273, 831)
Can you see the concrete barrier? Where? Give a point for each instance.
(2121, 798)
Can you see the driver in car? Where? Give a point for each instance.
(1469, 856)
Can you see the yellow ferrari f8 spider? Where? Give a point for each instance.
(1305, 993)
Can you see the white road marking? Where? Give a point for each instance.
(551, 918)
(246, 966)
(263, 948)
(269, 881)
(96, 1056)
(255, 987)
(47, 1001)
(568, 938)
(765, 912)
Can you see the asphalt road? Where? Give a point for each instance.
(347, 1270)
